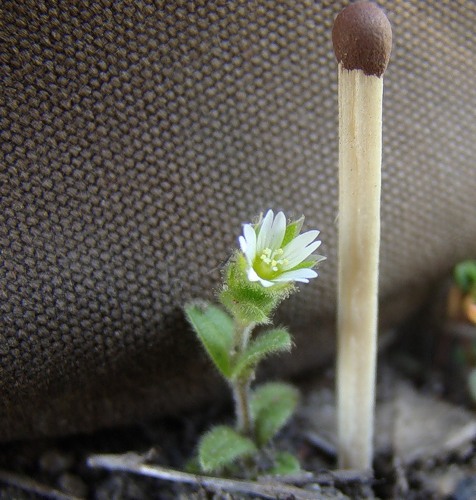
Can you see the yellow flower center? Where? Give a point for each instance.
(269, 264)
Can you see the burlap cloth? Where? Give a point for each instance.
(137, 137)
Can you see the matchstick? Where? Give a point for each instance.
(362, 39)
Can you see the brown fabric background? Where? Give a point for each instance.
(136, 137)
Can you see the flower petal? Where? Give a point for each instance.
(243, 244)
(297, 248)
(297, 275)
(264, 234)
(252, 276)
(301, 255)
(301, 241)
(266, 283)
(248, 243)
(277, 231)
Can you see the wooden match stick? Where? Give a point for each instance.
(362, 39)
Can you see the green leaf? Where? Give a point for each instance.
(215, 329)
(465, 276)
(221, 446)
(272, 405)
(285, 463)
(275, 340)
(193, 466)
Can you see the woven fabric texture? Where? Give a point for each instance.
(135, 139)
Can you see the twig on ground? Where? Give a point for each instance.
(322, 444)
(27, 484)
(266, 486)
(324, 478)
(134, 463)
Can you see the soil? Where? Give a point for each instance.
(425, 440)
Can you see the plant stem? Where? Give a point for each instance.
(241, 386)
(243, 336)
(241, 394)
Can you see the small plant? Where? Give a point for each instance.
(465, 279)
(461, 308)
(273, 256)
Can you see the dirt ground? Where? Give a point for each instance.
(425, 439)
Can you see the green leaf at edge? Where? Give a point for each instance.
(272, 405)
(269, 342)
(285, 463)
(465, 275)
(214, 327)
(221, 446)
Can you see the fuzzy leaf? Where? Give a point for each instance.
(214, 328)
(275, 340)
(272, 405)
(193, 466)
(221, 446)
(284, 464)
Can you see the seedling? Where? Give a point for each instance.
(465, 280)
(461, 308)
(273, 256)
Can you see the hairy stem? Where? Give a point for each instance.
(241, 386)
(241, 393)
(242, 336)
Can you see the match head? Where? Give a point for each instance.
(362, 38)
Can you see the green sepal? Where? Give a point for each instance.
(272, 405)
(215, 329)
(250, 302)
(243, 310)
(269, 342)
(465, 276)
(221, 446)
(285, 463)
(292, 230)
(305, 264)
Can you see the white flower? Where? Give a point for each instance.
(277, 253)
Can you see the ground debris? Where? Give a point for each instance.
(415, 426)
(425, 427)
(425, 448)
(266, 487)
(32, 487)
